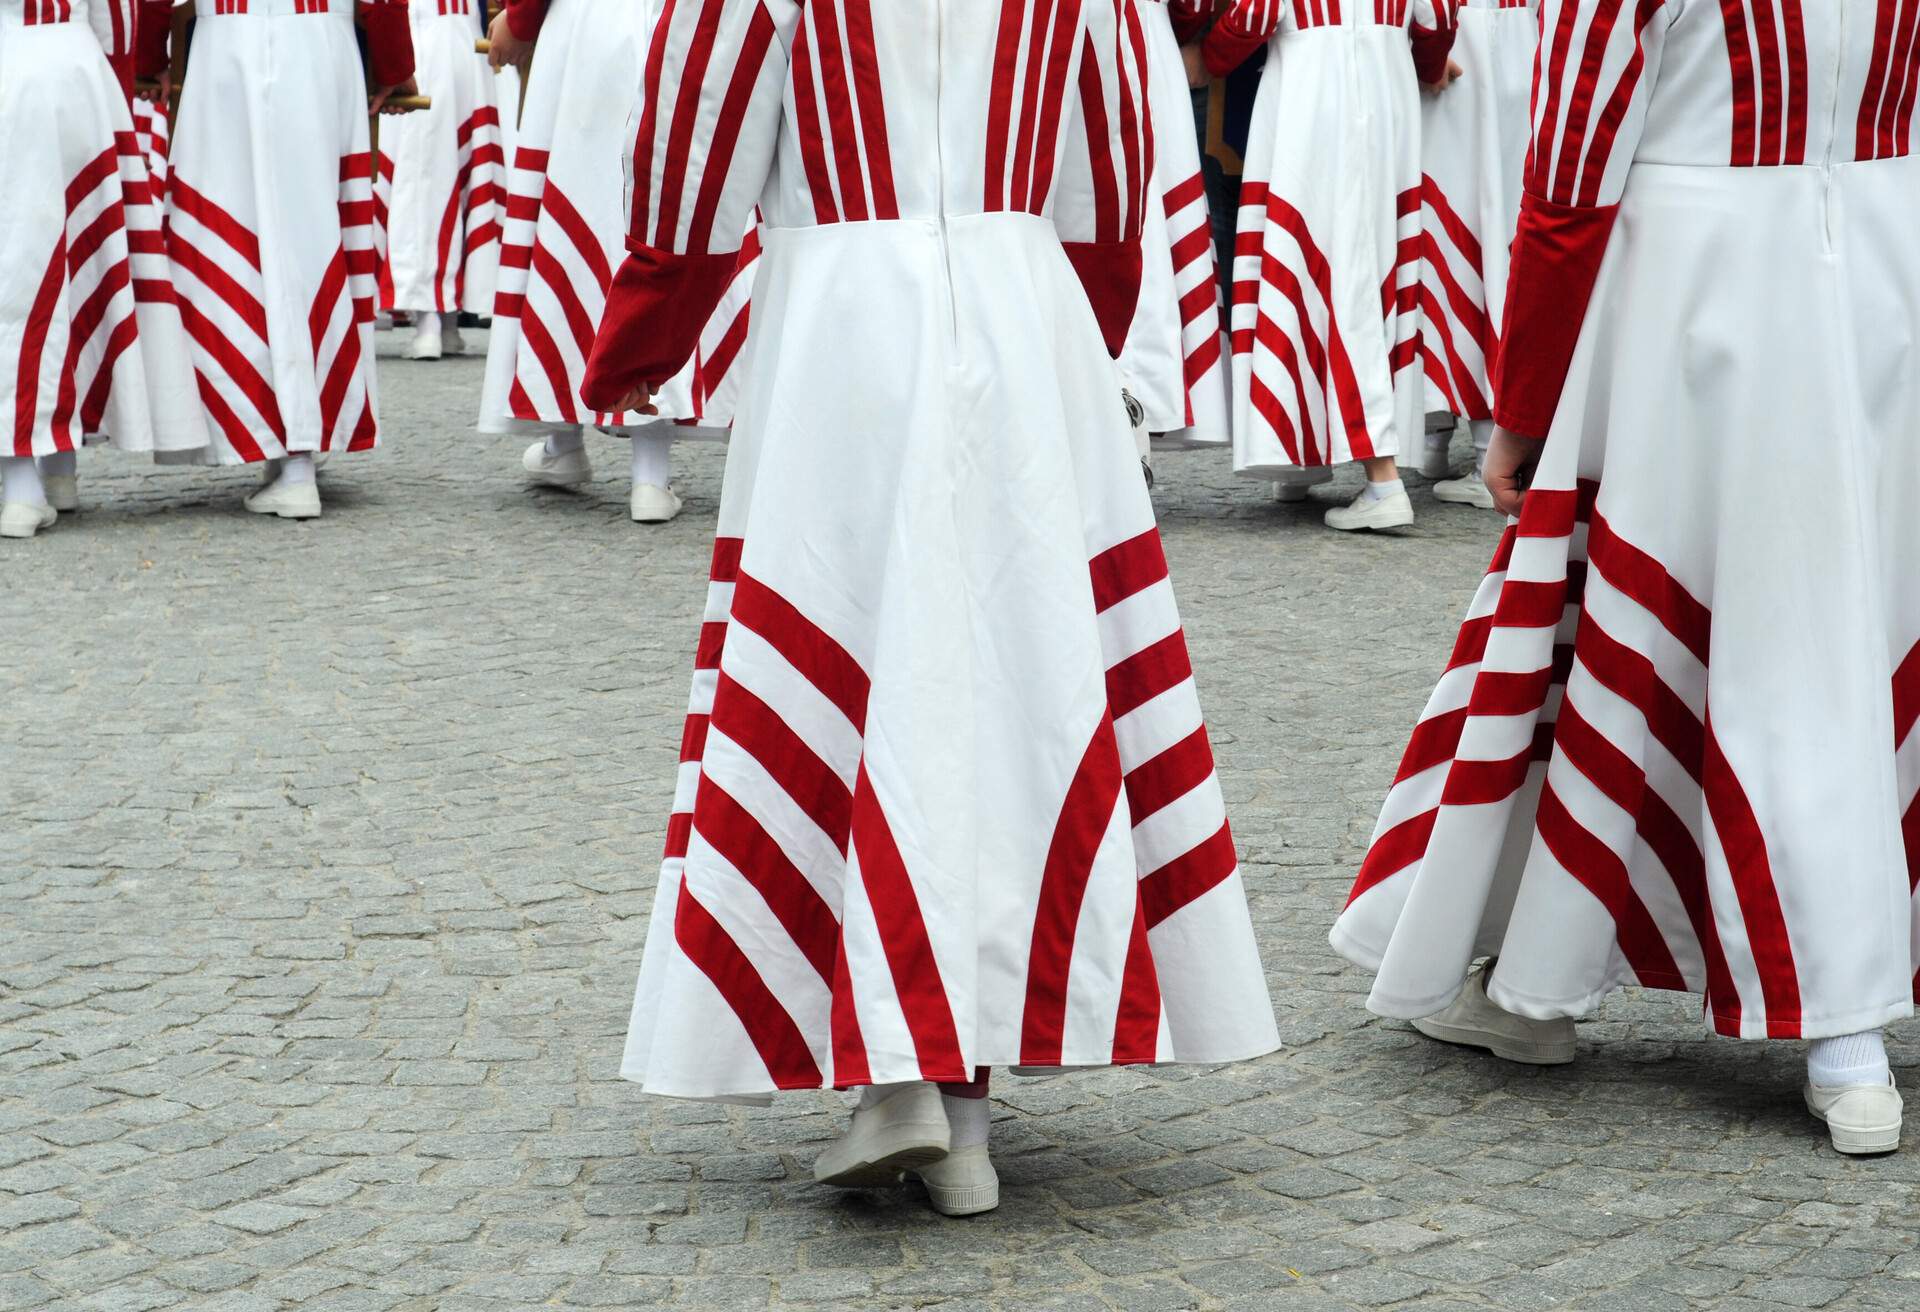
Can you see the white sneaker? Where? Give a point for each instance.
(903, 1131)
(451, 340)
(1476, 1021)
(21, 520)
(425, 346)
(287, 500)
(1468, 491)
(571, 469)
(963, 1183)
(1861, 1118)
(1436, 459)
(653, 504)
(63, 490)
(1293, 484)
(1368, 512)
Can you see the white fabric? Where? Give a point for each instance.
(1739, 835)
(1848, 1059)
(1473, 150)
(653, 456)
(272, 235)
(20, 481)
(1325, 351)
(1176, 363)
(444, 225)
(90, 344)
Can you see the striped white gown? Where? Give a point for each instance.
(1325, 314)
(448, 171)
(565, 236)
(1175, 363)
(270, 222)
(90, 344)
(1473, 147)
(1676, 746)
(946, 799)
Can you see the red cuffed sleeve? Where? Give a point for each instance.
(389, 42)
(1556, 261)
(656, 309)
(1111, 271)
(152, 33)
(1431, 50)
(1191, 18)
(524, 17)
(1242, 29)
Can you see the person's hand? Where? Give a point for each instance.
(1453, 74)
(638, 402)
(505, 47)
(1509, 468)
(384, 94)
(160, 91)
(1197, 75)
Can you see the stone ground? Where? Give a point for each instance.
(325, 858)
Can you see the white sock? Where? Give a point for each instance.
(1381, 491)
(1482, 430)
(61, 464)
(968, 1118)
(22, 479)
(296, 469)
(652, 459)
(426, 323)
(565, 443)
(1849, 1059)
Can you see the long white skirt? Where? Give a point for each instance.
(566, 235)
(1326, 273)
(443, 243)
(271, 233)
(1675, 746)
(947, 800)
(1474, 146)
(90, 343)
(1175, 363)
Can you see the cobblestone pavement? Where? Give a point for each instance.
(325, 857)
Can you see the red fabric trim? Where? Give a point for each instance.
(1556, 261)
(1230, 45)
(1431, 50)
(389, 42)
(656, 309)
(1111, 272)
(152, 30)
(524, 17)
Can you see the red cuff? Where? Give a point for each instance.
(153, 26)
(1190, 19)
(1431, 51)
(389, 43)
(1556, 261)
(658, 306)
(524, 17)
(1228, 46)
(1111, 272)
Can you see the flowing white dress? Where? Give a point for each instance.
(1675, 745)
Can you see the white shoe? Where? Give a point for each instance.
(287, 500)
(1368, 512)
(571, 469)
(63, 490)
(653, 504)
(1861, 1118)
(963, 1183)
(1468, 491)
(451, 341)
(1476, 1021)
(1293, 484)
(904, 1131)
(21, 520)
(1436, 460)
(425, 346)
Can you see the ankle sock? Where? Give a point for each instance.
(566, 442)
(1482, 430)
(969, 1118)
(1381, 491)
(297, 469)
(652, 459)
(1849, 1059)
(426, 324)
(21, 477)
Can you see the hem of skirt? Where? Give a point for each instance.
(761, 1093)
(1743, 1026)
